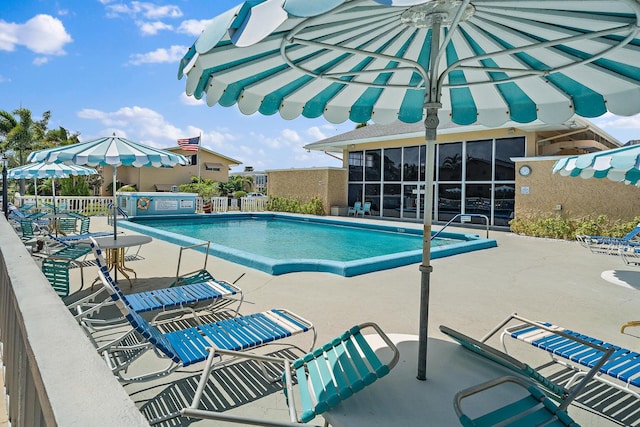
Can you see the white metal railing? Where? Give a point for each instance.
(53, 375)
(86, 205)
(100, 205)
(253, 204)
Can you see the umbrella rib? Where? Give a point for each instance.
(633, 28)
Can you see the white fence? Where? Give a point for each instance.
(91, 205)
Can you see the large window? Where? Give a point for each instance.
(471, 177)
(392, 164)
(356, 163)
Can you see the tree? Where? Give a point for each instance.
(56, 138)
(26, 133)
(21, 136)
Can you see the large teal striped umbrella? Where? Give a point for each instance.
(461, 61)
(48, 170)
(109, 151)
(618, 165)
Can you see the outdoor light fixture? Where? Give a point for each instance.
(5, 202)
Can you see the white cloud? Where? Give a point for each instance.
(148, 10)
(317, 133)
(42, 34)
(152, 28)
(4, 79)
(41, 60)
(190, 100)
(193, 27)
(161, 55)
(612, 121)
(291, 135)
(150, 127)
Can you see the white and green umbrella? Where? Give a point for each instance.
(48, 170)
(109, 151)
(461, 61)
(618, 165)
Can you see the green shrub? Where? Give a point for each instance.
(557, 227)
(239, 194)
(206, 189)
(291, 205)
(128, 188)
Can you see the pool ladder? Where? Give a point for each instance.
(463, 216)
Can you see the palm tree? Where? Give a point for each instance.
(56, 138)
(21, 136)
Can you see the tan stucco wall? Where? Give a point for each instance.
(146, 178)
(330, 184)
(579, 198)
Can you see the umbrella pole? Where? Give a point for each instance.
(35, 190)
(432, 105)
(53, 194)
(115, 227)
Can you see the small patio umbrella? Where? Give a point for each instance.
(461, 61)
(618, 165)
(109, 151)
(48, 170)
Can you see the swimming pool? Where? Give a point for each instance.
(281, 243)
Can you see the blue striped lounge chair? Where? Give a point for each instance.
(318, 380)
(185, 347)
(211, 295)
(615, 366)
(609, 245)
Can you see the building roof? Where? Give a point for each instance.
(228, 159)
(400, 130)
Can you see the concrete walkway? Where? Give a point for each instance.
(541, 279)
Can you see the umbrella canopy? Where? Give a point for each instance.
(480, 61)
(48, 170)
(618, 165)
(109, 151)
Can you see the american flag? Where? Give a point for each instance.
(189, 144)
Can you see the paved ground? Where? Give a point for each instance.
(542, 279)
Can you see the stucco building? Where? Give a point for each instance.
(477, 170)
(207, 163)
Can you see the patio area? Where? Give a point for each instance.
(548, 280)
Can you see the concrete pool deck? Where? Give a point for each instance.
(541, 279)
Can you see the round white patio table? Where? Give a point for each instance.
(114, 250)
(399, 399)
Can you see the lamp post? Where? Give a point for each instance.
(5, 202)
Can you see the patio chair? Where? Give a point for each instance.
(609, 245)
(56, 270)
(354, 210)
(365, 210)
(184, 347)
(531, 408)
(319, 380)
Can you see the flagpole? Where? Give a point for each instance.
(198, 156)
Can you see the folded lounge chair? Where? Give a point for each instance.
(319, 380)
(532, 409)
(535, 407)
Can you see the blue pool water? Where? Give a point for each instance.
(278, 243)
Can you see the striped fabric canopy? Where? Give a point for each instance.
(363, 60)
(619, 165)
(460, 61)
(48, 170)
(109, 151)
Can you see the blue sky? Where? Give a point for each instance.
(104, 66)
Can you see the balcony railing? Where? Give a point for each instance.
(53, 375)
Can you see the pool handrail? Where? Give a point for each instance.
(486, 222)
